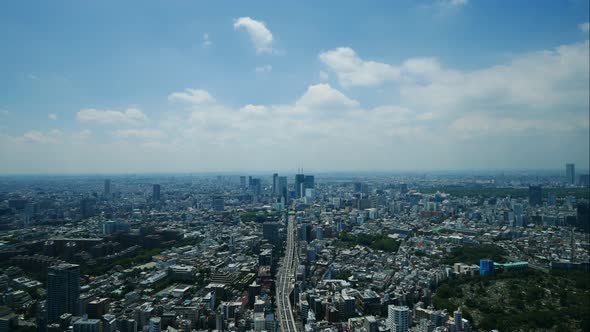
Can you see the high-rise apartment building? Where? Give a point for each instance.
(155, 324)
(535, 196)
(458, 318)
(156, 192)
(398, 318)
(218, 203)
(63, 290)
(270, 232)
(570, 173)
(107, 187)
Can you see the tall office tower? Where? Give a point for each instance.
(398, 318)
(282, 187)
(107, 187)
(299, 180)
(583, 216)
(256, 186)
(361, 188)
(270, 232)
(570, 173)
(358, 187)
(458, 318)
(218, 203)
(156, 192)
(308, 183)
(86, 208)
(535, 196)
(249, 181)
(242, 181)
(63, 291)
(275, 178)
(253, 291)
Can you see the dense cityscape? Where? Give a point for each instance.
(295, 166)
(273, 252)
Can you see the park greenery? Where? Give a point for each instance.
(490, 192)
(472, 254)
(527, 301)
(375, 242)
(143, 256)
(257, 216)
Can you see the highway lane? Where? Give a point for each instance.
(285, 280)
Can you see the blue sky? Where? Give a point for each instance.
(157, 86)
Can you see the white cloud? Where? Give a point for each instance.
(142, 133)
(259, 34)
(81, 136)
(263, 69)
(536, 82)
(323, 96)
(458, 2)
(351, 70)
(192, 96)
(36, 136)
(130, 116)
(514, 114)
(206, 40)
(254, 109)
(481, 124)
(323, 75)
(584, 27)
(52, 116)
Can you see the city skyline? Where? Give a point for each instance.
(418, 86)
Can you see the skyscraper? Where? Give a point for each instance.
(107, 187)
(458, 318)
(535, 196)
(242, 181)
(63, 290)
(156, 192)
(299, 180)
(282, 187)
(218, 203)
(570, 173)
(583, 216)
(270, 232)
(398, 318)
(275, 190)
(308, 183)
(256, 186)
(87, 208)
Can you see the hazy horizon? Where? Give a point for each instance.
(184, 87)
(245, 172)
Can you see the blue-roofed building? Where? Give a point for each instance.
(486, 267)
